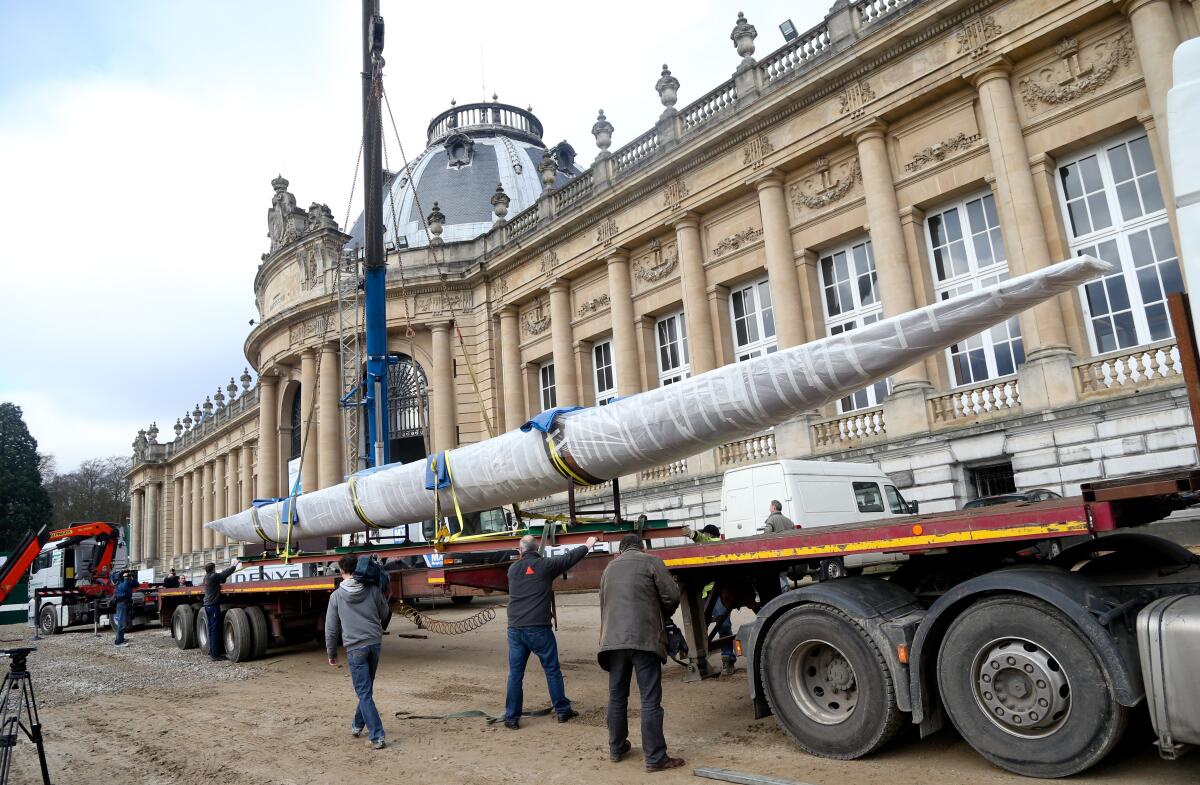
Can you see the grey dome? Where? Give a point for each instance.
(470, 149)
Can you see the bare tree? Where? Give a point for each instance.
(96, 491)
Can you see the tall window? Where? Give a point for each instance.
(546, 384)
(753, 320)
(671, 336)
(1114, 207)
(605, 376)
(967, 253)
(851, 299)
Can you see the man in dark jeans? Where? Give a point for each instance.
(212, 604)
(123, 597)
(530, 594)
(356, 615)
(637, 596)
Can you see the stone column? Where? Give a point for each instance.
(150, 525)
(562, 339)
(781, 267)
(247, 462)
(904, 410)
(718, 317)
(220, 497)
(268, 437)
(177, 518)
(1046, 379)
(330, 455)
(233, 499)
(184, 545)
(135, 525)
(197, 509)
(1155, 37)
(586, 377)
(510, 368)
(625, 351)
(811, 314)
(695, 297)
(444, 413)
(206, 504)
(309, 449)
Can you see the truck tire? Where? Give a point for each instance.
(202, 630)
(183, 627)
(236, 635)
(260, 631)
(1026, 689)
(828, 684)
(48, 620)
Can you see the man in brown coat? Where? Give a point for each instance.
(637, 596)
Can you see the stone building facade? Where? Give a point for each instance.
(896, 153)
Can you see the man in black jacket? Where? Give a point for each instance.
(123, 597)
(530, 594)
(212, 604)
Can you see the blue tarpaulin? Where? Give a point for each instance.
(443, 472)
(545, 420)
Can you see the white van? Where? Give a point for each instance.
(813, 493)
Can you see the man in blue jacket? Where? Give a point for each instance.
(530, 594)
(212, 605)
(123, 597)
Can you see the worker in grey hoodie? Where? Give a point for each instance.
(356, 615)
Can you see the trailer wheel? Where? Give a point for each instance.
(827, 683)
(832, 569)
(48, 620)
(260, 632)
(236, 635)
(1026, 689)
(183, 627)
(202, 630)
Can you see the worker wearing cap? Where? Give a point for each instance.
(123, 597)
(212, 604)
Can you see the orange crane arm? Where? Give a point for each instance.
(13, 571)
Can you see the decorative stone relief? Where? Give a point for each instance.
(826, 190)
(536, 321)
(549, 261)
(735, 241)
(606, 231)
(441, 302)
(657, 265)
(319, 217)
(940, 150)
(309, 328)
(674, 193)
(500, 286)
(855, 98)
(975, 34)
(309, 264)
(285, 221)
(592, 305)
(1078, 74)
(755, 151)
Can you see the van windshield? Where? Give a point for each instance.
(895, 500)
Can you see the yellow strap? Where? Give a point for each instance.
(267, 542)
(440, 531)
(561, 466)
(358, 510)
(454, 496)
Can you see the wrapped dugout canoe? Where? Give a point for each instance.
(661, 425)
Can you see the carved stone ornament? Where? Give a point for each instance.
(549, 261)
(602, 129)
(536, 321)
(830, 190)
(460, 149)
(743, 36)
(442, 302)
(309, 328)
(319, 217)
(606, 231)
(940, 150)
(975, 34)
(1077, 76)
(854, 99)
(674, 193)
(500, 286)
(285, 221)
(755, 151)
(657, 265)
(735, 241)
(310, 264)
(668, 90)
(592, 305)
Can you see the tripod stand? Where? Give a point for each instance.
(16, 698)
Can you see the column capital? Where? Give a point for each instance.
(308, 352)
(805, 257)
(1042, 163)
(717, 291)
(439, 327)
(1147, 121)
(582, 346)
(508, 311)
(1130, 7)
(911, 215)
(996, 67)
(870, 128)
(770, 178)
(560, 285)
(685, 220)
(618, 255)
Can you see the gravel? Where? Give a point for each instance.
(76, 664)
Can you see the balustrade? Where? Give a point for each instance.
(523, 222)
(873, 10)
(699, 112)
(636, 150)
(1129, 371)
(995, 397)
(796, 54)
(664, 473)
(574, 191)
(849, 430)
(755, 448)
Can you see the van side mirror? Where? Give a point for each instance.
(913, 507)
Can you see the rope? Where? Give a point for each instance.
(441, 626)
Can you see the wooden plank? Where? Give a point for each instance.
(1185, 339)
(741, 777)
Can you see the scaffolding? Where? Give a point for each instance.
(348, 285)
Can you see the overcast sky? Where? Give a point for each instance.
(138, 141)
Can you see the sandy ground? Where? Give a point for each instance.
(167, 716)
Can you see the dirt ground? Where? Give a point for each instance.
(166, 716)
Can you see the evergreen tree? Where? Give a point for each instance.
(24, 503)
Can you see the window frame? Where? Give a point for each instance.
(547, 386)
(1120, 231)
(608, 394)
(683, 370)
(857, 316)
(974, 278)
(763, 319)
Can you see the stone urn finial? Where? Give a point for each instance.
(548, 169)
(232, 389)
(152, 434)
(500, 202)
(219, 399)
(178, 428)
(196, 414)
(668, 90)
(602, 129)
(743, 36)
(437, 222)
(208, 406)
(187, 421)
(245, 380)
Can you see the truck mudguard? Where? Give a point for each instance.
(1078, 598)
(887, 612)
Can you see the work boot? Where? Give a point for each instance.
(618, 756)
(512, 724)
(356, 732)
(568, 715)
(669, 763)
(378, 745)
(727, 664)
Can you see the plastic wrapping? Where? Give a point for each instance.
(661, 425)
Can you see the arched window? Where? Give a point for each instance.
(295, 423)
(408, 409)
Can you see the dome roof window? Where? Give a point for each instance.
(460, 148)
